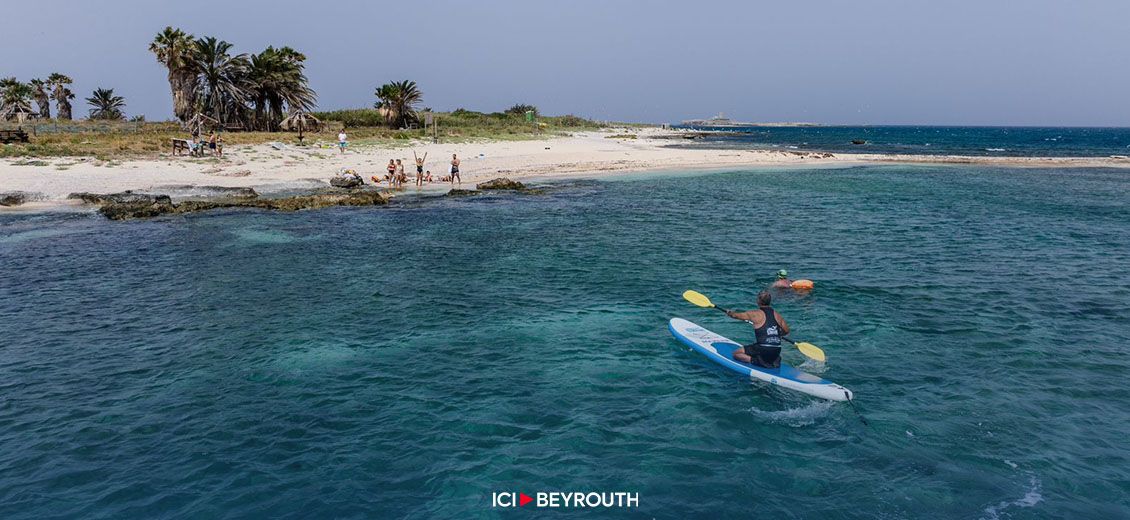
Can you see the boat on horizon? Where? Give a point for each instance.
(721, 122)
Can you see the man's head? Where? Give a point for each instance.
(764, 299)
(782, 274)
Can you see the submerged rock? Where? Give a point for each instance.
(15, 198)
(501, 183)
(462, 193)
(129, 205)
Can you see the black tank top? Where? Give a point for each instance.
(768, 334)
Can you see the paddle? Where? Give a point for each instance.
(808, 349)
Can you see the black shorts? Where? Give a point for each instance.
(767, 357)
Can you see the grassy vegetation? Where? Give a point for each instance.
(115, 140)
(461, 125)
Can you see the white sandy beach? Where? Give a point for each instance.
(589, 154)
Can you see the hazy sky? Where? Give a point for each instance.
(1031, 62)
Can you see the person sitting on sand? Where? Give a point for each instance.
(419, 167)
(428, 176)
(375, 179)
(455, 169)
(782, 281)
(768, 327)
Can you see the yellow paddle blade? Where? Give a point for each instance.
(697, 298)
(810, 350)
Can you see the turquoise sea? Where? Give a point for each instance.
(409, 361)
(1008, 141)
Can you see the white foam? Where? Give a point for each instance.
(795, 417)
(1030, 499)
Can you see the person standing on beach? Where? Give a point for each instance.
(212, 141)
(400, 178)
(341, 141)
(455, 170)
(391, 177)
(419, 167)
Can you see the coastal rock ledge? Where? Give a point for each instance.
(501, 183)
(15, 198)
(128, 205)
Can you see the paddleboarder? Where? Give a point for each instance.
(768, 327)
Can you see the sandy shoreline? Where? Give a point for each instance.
(290, 169)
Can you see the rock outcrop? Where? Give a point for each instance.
(346, 181)
(462, 193)
(128, 205)
(15, 198)
(501, 183)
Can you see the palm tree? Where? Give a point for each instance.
(399, 99)
(62, 94)
(42, 98)
(277, 84)
(177, 51)
(14, 98)
(223, 82)
(106, 105)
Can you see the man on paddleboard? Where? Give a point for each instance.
(768, 327)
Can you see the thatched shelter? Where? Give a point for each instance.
(301, 121)
(200, 122)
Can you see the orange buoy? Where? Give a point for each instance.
(802, 284)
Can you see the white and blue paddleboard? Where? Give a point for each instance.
(721, 350)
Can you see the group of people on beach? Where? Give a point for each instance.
(214, 142)
(397, 178)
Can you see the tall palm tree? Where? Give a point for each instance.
(62, 94)
(42, 98)
(14, 98)
(399, 99)
(176, 50)
(106, 105)
(277, 83)
(223, 82)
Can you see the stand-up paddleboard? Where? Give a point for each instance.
(720, 350)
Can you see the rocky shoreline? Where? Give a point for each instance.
(129, 204)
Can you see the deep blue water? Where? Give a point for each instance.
(930, 140)
(408, 361)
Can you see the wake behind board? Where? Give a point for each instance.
(720, 350)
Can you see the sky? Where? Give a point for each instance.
(944, 62)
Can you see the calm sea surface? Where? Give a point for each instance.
(409, 361)
(929, 140)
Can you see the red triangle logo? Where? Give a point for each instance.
(523, 499)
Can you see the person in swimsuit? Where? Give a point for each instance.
(400, 177)
(768, 328)
(455, 169)
(782, 281)
(391, 171)
(419, 167)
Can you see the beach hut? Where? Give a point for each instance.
(301, 121)
(198, 123)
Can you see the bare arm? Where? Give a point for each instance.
(743, 315)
